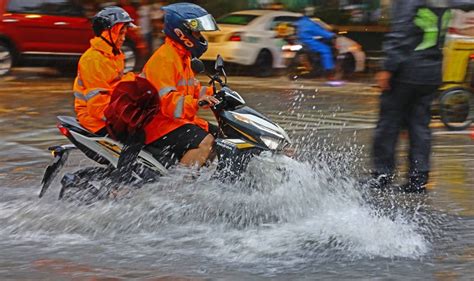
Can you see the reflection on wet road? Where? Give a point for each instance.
(310, 220)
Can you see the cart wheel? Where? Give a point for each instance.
(456, 108)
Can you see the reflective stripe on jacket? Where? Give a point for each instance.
(97, 73)
(169, 70)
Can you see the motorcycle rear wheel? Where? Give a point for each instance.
(93, 184)
(84, 185)
(348, 64)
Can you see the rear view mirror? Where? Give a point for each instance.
(197, 66)
(219, 63)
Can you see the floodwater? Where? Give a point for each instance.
(302, 218)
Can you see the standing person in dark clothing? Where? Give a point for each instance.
(411, 75)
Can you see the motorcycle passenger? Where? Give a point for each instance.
(176, 133)
(285, 34)
(308, 32)
(101, 67)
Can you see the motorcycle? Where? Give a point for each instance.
(304, 63)
(242, 134)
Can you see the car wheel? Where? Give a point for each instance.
(263, 66)
(130, 56)
(6, 59)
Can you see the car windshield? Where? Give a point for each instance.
(237, 19)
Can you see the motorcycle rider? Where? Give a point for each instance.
(176, 133)
(101, 67)
(307, 32)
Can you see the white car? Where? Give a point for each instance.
(249, 38)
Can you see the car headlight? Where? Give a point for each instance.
(271, 143)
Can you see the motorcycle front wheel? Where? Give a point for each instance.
(304, 65)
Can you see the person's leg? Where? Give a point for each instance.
(386, 133)
(198, 156)
(173, 147)
(332, 71)
(418, 118)
(327, 58)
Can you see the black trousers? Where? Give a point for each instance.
(410, 105)
(170, 148)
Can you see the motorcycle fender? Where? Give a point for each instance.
(61, 154)
(233, 156)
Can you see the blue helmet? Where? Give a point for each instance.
(181, 19)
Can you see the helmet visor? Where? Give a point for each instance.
(131, 25)
(204, 23)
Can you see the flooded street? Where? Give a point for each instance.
(290, 219)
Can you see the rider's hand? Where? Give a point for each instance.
(383, 79)
(208, 100)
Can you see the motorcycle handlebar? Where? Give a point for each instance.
(219, 95)
(203, 103)
(214, 78)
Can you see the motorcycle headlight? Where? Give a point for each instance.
(271, 143)
(292, 48)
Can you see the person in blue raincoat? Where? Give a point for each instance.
(315, 37)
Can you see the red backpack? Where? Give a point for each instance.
(132, 106)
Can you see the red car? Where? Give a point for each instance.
(53, 32)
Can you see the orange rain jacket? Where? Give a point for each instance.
(169, 70)
(99, 70)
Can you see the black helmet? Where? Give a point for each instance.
(108, 17)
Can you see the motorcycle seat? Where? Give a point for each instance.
(71, 123)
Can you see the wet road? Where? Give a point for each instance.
(316, 224)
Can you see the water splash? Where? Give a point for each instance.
(284, 212)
